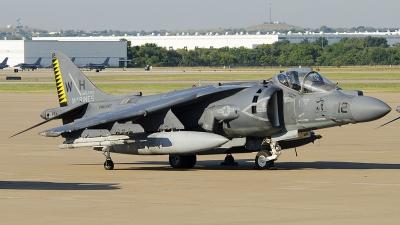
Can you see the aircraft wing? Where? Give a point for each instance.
(135, 111)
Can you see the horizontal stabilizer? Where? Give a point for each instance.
(50, 119)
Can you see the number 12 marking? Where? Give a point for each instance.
(342, 107)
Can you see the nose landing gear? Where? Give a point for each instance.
(265, 159)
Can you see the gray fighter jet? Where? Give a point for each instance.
(239, 117)
(98, 66)
(4, 63)
(32, 66)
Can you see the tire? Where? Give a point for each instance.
(258, 161)
(229, 160)
(176, 161)
(190, 161)
(182, 161)
(109, 165)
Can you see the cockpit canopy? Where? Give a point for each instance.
(305, 81)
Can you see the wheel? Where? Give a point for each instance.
(229, 160)
(189, 161)
(182, 161)
(261, 164)
(108, 165)
(176, 161)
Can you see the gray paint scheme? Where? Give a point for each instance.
(99, 66)
(4, 63)
(237, 117)
(31, 66)
(398, 110)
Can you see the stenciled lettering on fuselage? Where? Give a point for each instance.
(105, 106)
(319, 102)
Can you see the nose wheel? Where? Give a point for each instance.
(262, 161)
(265, 159)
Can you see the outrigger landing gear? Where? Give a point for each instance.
(108, 164)
(265, 159)
(229, 161)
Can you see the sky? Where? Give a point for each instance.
(150, 15)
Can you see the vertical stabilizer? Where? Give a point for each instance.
(38, 61)
(106, 61)
(73, 86)
(4, 61)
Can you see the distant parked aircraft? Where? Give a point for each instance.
(32, 66)
(98, 66)
(4, 63)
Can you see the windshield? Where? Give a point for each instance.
(305, 81)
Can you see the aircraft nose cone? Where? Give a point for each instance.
(364, 109)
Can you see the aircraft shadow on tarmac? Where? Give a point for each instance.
(43, 185)
(247, 164)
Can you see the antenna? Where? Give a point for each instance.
(270, 13)
(18, 22)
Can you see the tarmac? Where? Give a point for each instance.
(350, 176)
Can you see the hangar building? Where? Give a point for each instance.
(217, 41)
(28, 51)
(183, 42)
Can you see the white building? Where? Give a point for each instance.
(14, 50)
(218, 41)
(180, 42)
(393, 38)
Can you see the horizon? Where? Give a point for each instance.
(392, 29)
(176, 15)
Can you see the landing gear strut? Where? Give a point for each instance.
(229, 161)
(182, 161)
(265, 159)
(108, 164)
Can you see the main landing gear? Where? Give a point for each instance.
(229, 161)
(182, 161)
(108, 164)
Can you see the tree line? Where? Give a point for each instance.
(371, 51)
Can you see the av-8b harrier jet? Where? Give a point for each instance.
(239, 117)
